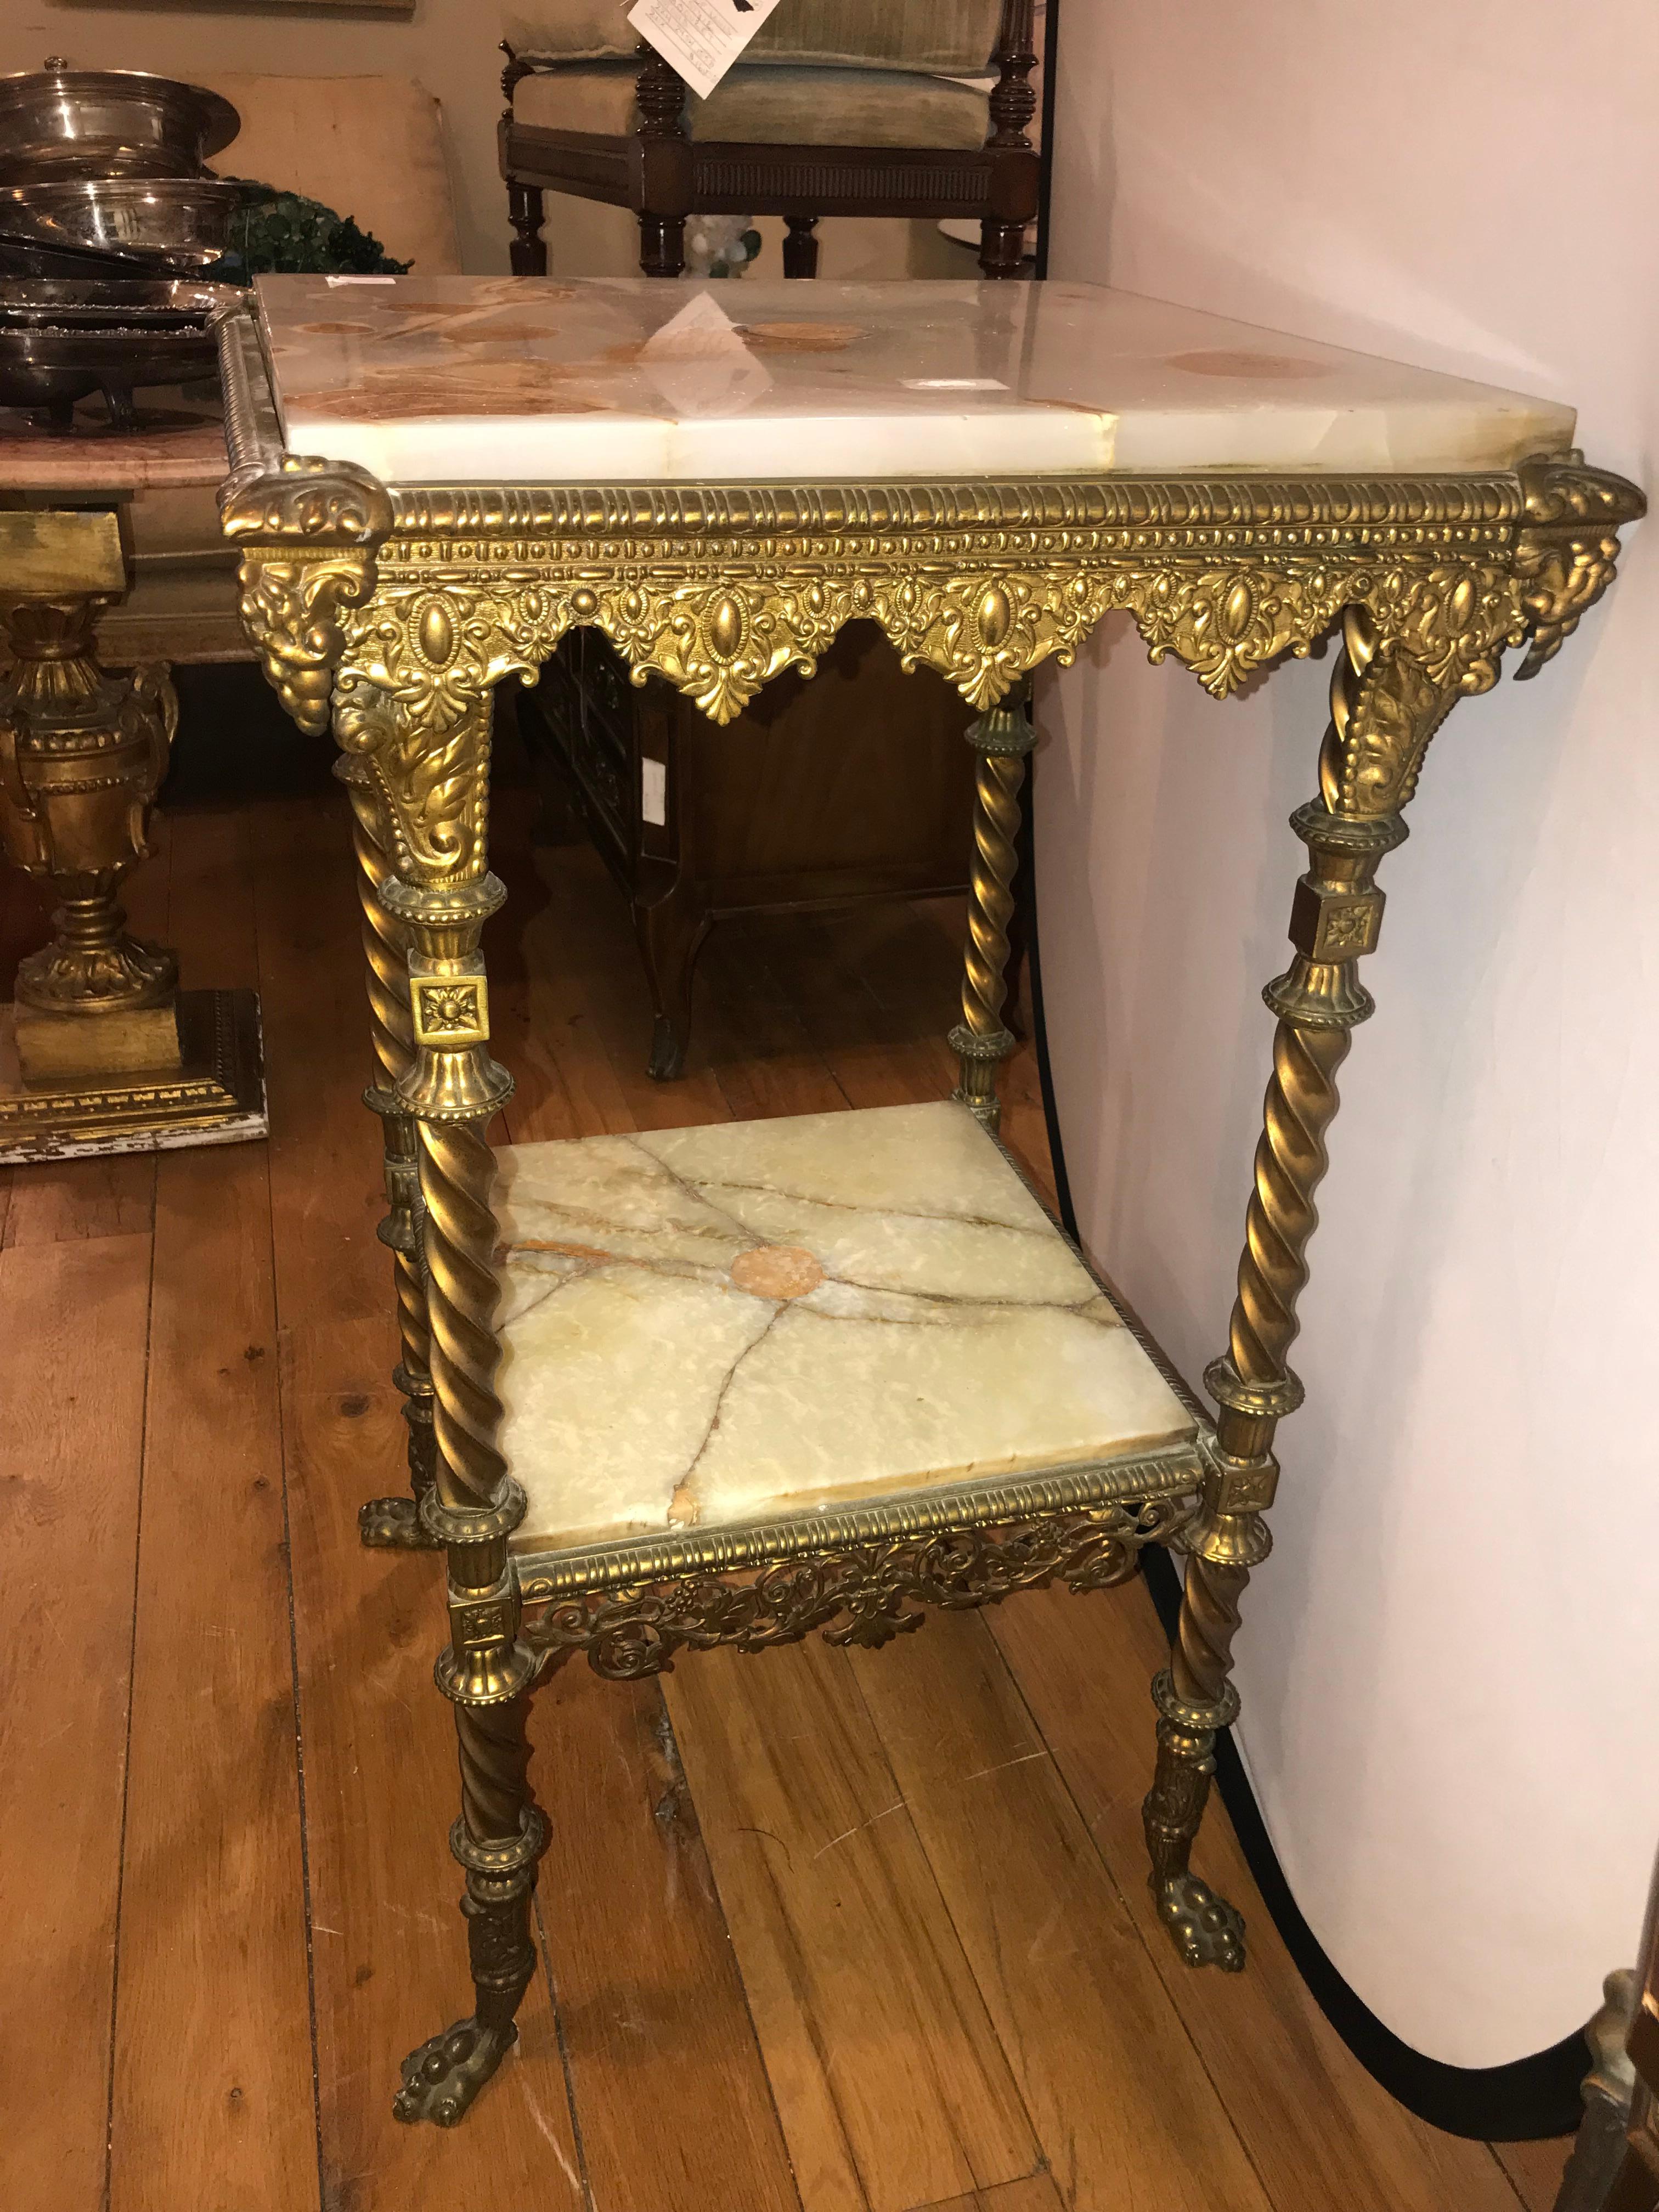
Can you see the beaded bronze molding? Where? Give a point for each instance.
(1175, 1471)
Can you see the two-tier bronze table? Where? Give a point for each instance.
(732, 1385)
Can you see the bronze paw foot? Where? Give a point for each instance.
(1205, 1928)
(445, 2074)
(393, 1524)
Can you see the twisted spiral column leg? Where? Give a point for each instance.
(1319, 1000)
(457, 1168)
(1291, 1160)
(394, 1524)
(450, 1089)
(1001, 738)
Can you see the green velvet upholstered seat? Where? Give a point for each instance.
(779, 105)
(818, 73)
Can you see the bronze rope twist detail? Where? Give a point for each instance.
(457, 1170)
(1289, 1159)
(494, 1760)
(996, 781)
(392, 1029)
(1318, 1001)
(394, 1521)
(385, 939)
(1001, 738)
(1353, 664)
(1202, 1652)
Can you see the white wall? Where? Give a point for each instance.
(1451, 1665)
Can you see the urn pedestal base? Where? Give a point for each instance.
(99, 1051)
(213, 1094)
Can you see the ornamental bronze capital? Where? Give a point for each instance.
(1568, 551)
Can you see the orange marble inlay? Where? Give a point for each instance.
(800, 338)
(777, 1271)
(1278, 365)
(492, 387)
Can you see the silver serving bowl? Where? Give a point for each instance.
(60, 342)
(18, 257)
(102, 123)
(185, 220)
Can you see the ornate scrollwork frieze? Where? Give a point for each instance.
(719, 622)
(422, 598)
(416, 662)
(862, 1594)
(719, 588)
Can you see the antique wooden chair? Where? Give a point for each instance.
(839, 107)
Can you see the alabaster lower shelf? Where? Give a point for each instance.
(765, 1329)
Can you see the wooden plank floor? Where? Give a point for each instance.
(835, 1932)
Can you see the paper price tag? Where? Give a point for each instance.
(700, 39)
(654, 791)
(699, 362)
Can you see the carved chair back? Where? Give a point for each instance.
(943, 38)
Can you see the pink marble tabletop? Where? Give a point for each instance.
(176, 446)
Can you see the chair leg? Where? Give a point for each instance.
(525, 209)
(662, 245)
(1001, 248)
(671, 934)
(800, 246)
(498, 1839)
(661, 186)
